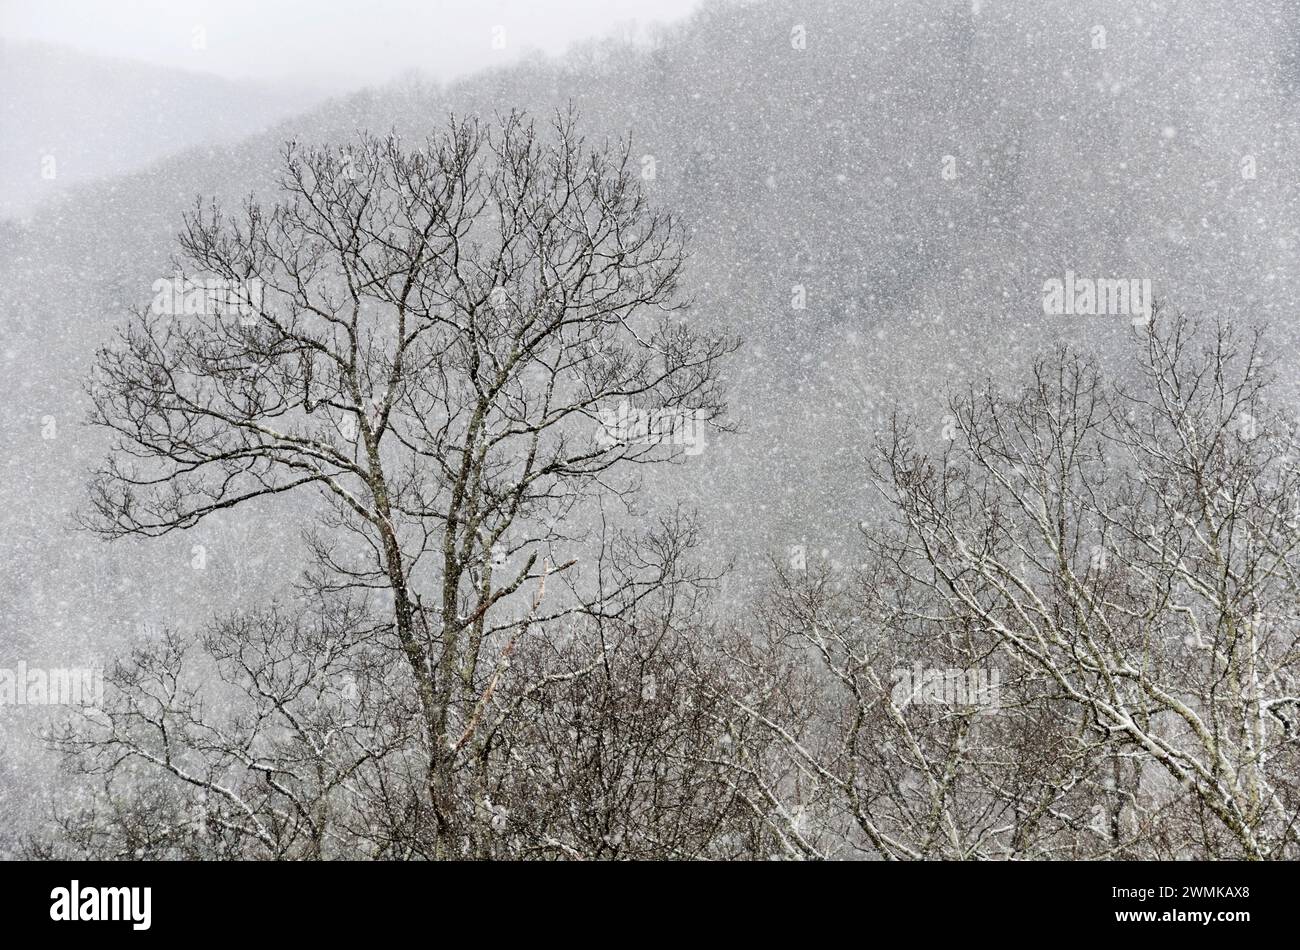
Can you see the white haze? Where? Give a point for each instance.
(332, 43)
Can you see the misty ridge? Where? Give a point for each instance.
(828, 430)
(106, 116)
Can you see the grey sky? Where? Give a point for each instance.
(337, 42)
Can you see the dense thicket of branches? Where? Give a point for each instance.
(1124, 553)
(480, 666)
(437, 336)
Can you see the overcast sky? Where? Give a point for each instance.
(338, 42)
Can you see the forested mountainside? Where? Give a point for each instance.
(876, 194)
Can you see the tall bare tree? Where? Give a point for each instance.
(432, 341)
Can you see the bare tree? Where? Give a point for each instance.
(265, 739)
(1121, 554)
(1131, 545)
(432, 342)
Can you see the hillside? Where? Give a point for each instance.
(919, 169)
(68, 117)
